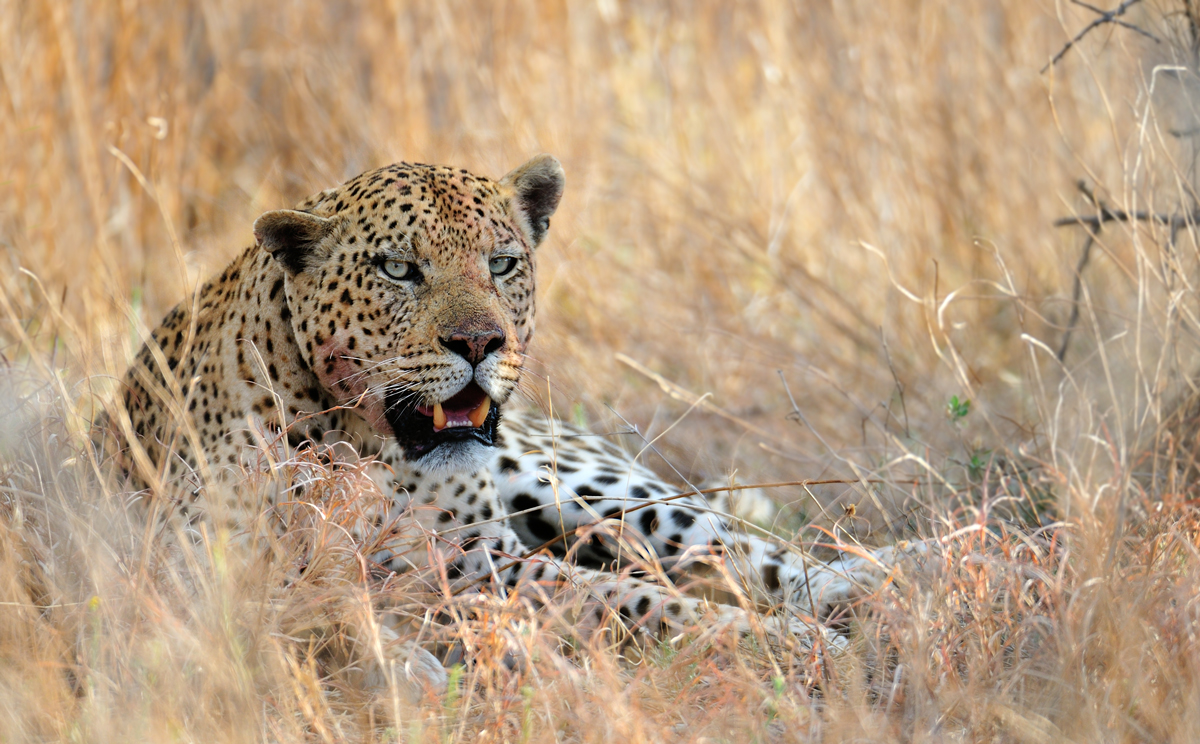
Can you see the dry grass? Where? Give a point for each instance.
(855, 198)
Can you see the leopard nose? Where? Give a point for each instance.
(474, 345)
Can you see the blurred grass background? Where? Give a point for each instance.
(856, 198)
(726, 165)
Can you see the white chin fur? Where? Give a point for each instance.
(457, 457)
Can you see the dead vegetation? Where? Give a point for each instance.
(825, 233)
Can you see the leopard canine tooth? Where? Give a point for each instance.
(479, 414)
(439, 417)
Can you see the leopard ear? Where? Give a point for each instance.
(295, 239)
(537, 187)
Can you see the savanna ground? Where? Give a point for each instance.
(847, 204)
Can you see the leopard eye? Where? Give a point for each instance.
(501, 265)
(398, 269)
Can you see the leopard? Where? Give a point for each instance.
(388, 319)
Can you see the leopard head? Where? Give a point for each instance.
(410, 292)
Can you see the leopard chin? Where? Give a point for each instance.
(461, 448)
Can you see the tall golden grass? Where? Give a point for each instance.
(815, 222)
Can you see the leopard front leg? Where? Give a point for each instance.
(643, 608)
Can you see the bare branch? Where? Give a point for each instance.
(1175, 221)
(1094, 224)
(1104, 17)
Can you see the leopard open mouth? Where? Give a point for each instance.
(467, 416)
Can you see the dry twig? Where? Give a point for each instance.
(1093, 224)
(1109, 16)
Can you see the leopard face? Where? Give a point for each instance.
(410, 293)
